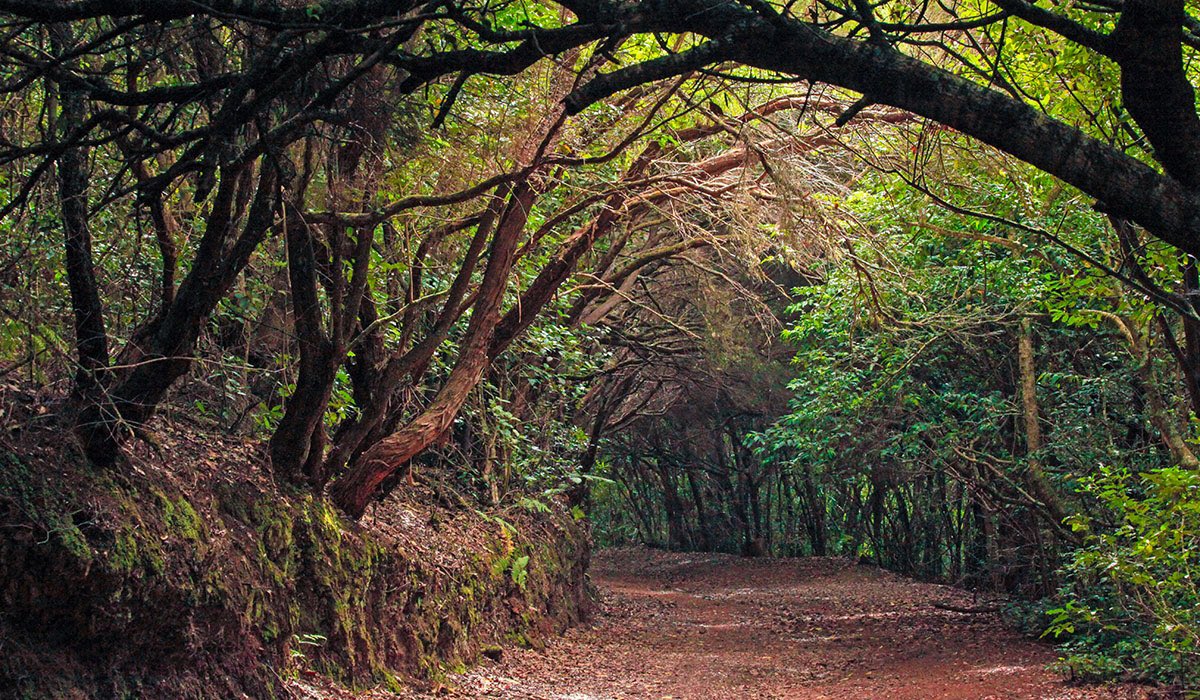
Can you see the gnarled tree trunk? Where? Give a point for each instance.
(167, 352)
(353, 491)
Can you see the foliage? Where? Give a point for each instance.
(1133, 602)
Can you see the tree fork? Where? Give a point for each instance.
(355, 489)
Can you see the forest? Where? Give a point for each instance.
(336, 334)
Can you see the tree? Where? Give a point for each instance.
(227, 130)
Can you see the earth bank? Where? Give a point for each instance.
(190, 574)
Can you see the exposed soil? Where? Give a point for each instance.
(716, 626)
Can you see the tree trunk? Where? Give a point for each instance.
(1156, 407)
(171, 341)
(816, 514)
(355, 437)
(1038, 483)
(1191, 334)
(91, 338)
(703, 526)
(296, 447)
(677, 539)
(876, 507)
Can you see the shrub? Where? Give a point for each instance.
(1132, 604)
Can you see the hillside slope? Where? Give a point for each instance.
(190, 574)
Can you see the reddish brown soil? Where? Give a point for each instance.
(701, 626)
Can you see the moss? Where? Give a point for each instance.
(73, 540)
(341, 567)
(278, 557)
(270, 631)
(211, 586)
(44, 506)
(137, 548)
(181, 518)
(392, 683)
(519, 638)
(124, 554)
(275, 525)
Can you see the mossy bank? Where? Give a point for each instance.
(181, 577)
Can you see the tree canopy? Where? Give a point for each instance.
(903, 280)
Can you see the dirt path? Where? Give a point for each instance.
(686, 626)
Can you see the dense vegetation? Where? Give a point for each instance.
(907, 282)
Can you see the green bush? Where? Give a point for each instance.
(1132, 607)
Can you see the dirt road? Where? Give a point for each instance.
(700, 626)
